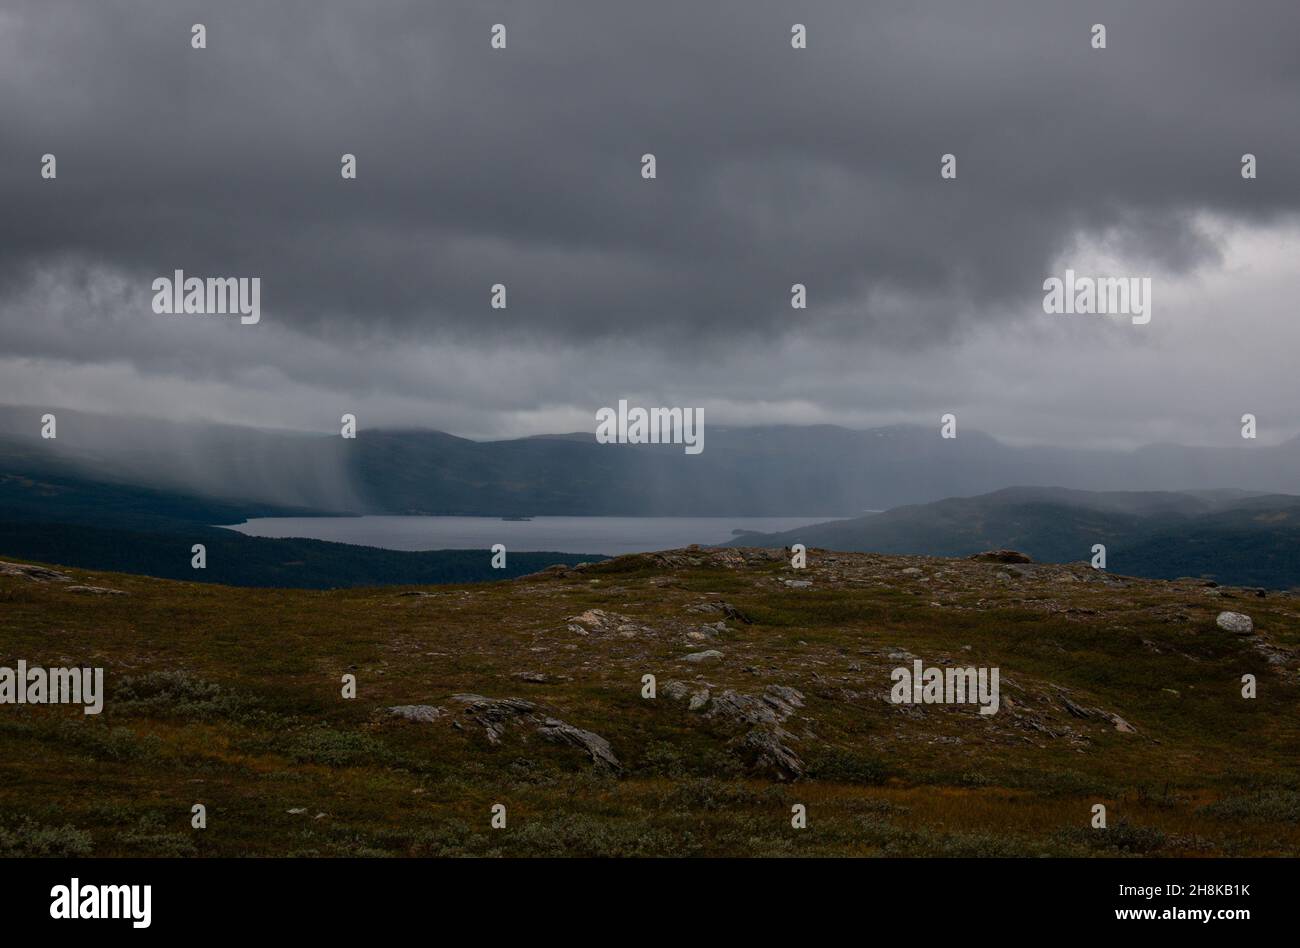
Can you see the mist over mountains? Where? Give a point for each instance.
(1162, 511)
(1231, 536)
(760, 471)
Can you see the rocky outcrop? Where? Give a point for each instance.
(677, 690)
(727, 609)
(96, 590)
(724, 558)
(1000, 556)
(706, 655)
(495, 715)
(1273, 654)
(708, 631)
(768, 752)
(765, 744)
(774, 705)
(600, 622)
(695, 697)
(1095, 714)
(558, 732)
(37, 573)
(420, 713)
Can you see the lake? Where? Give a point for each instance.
(611, 536)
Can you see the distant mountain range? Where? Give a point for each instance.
(64, 519)
(111, 493)
(764, 471)
(1233, 537)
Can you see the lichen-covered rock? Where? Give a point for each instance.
(1235, 622)
(38, 573)
(1122, 725)
(600, 622)
(677, 690)
(768, 752)
(704, 656)
(493, 714)
(557, 731)
(774, 705)
(420, 713)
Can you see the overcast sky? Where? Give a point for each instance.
(775, 166)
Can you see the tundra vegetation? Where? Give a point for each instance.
(771, 689)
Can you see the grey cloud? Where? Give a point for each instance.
(522, 167)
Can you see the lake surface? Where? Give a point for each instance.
(611, 536)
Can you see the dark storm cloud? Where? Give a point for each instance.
(522, 167)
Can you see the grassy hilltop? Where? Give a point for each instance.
(528, 693)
